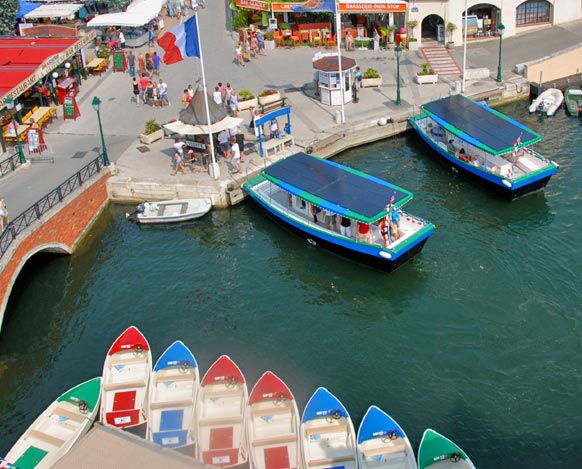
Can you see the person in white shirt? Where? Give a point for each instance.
(191, 91)
(217, 96)
(235, 152)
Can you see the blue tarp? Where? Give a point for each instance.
(26, 7)
(480, 122)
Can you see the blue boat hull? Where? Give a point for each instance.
(360, 253)
(491, 182)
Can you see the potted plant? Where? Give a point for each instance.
(426, 75)
(391, 30)
(451, 28)
(246, 100)
(269, 96)
(371, 77)
(270, 39)
(411, 25)
(152, 132)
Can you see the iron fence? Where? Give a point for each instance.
(10, 164)
(54, 197)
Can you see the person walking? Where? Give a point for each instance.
(4, 219)
(235, 156)
(261, 43)
(131, 63)
(233, 103)
(143, 83)
(163, 92)
(239, 55)
(121, 39)
(217, 96)
(141, 64)
(136, 91)
(149, 65)
(156, 60)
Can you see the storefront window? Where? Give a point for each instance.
(533, 11)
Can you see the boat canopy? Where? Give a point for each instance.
(479, 125)
(335, 187)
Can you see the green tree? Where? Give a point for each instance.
(117, 4)
(8, 11)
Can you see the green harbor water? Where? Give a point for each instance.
(479, 337)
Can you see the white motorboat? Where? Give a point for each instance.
(549, 102)
(169, 211)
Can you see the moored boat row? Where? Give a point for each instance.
(227, 425)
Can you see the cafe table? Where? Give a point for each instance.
(41, 115)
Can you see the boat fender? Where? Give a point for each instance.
(138, 349)
(507, 183)
(311, 241)
(184, 365)
(455, 457)
(83, 406)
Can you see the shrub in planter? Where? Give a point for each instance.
(371, 77)
(269, 96)
(151, 126)
(371, 73)
(426, 75)
(152, 132)
(246, 100)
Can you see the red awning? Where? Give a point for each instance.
(330, 63)
(24, 61)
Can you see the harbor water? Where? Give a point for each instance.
(479, 337)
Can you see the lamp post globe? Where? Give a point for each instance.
(96, 103)
(500, 29)
(10, 105)
(398, 53)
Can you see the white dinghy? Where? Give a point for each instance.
(549, 102)
(170, 211)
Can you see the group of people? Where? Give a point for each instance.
(156, 95)
(179, 8)
(252, 45)
(227, 97)
(231, 145)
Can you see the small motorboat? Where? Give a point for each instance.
(327, 433)
(173, 389)
(126, 376)
(221, 414)
(273, 425)
(573, 99)
(549, 101)
(382, 444)
(438, 451)
(55, 431)
(170, 211)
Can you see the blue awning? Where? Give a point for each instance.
(26, 7)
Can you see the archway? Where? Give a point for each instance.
(430, 27)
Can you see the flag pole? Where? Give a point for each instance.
(465, 49)
(338, 33)
(215, 173)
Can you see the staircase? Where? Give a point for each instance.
(441, 60)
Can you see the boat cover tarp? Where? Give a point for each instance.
(305, 176)
(483, 124)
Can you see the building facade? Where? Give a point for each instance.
(483, 19)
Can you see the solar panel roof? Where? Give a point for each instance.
(338, 184)
(483, 124)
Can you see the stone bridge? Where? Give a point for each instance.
(58, 230)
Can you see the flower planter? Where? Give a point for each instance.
(413, 45)
(425, 79)
(369, 82)
(270, 98)
(248, 104)
(269, 45)
(151, 138)
(450, 45)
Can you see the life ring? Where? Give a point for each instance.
(455, 457)
(83, 406)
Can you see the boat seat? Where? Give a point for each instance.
(164, 404)
(128, 361)
(275, 440)
(270, 411)
(172, 378)
(184, 209)
(161, 210)
(327, 461)
(140, 383)
(51, 440)
(220, 421)
(383, 450)
(60, 412)
(327, 429)
(223, 393)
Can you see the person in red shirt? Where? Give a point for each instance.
(364, 233)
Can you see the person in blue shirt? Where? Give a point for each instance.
(358, 77)
(156, 60)
(395, 224)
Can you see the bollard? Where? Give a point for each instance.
(338, 117)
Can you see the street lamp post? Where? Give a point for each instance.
(96, 103)
(500, 29)
(398, 53)
(10, 106)
(55, 75)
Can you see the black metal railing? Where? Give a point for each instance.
(54, 197)
(10, 164)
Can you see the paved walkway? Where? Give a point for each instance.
(288, 70)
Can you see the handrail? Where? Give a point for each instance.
(10, 163)
(54, 197)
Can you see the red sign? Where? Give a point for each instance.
(282, 7)
(372, 7)
(253, 4)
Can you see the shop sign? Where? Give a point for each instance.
(285, 7)
(253, 4)
(48, 66)
(372, 7)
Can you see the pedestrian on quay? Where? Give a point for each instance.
(4, 219)
(121, 39)
(235, 156)
(240, 139)
(156, 60)
(233, 103)
(141, 64)
(186, 98)
(136, 91)
(217, 96)
(239, 55)
(131, 63)
(254, 45)
(149, 65)
(143, 83)
(261, 43)
(163, 92)
(170, 8)
(190, 91)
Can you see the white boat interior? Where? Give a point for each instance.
(511, 165)
(274, 434)
(380, 453)
(300, 211)
(329, 443)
